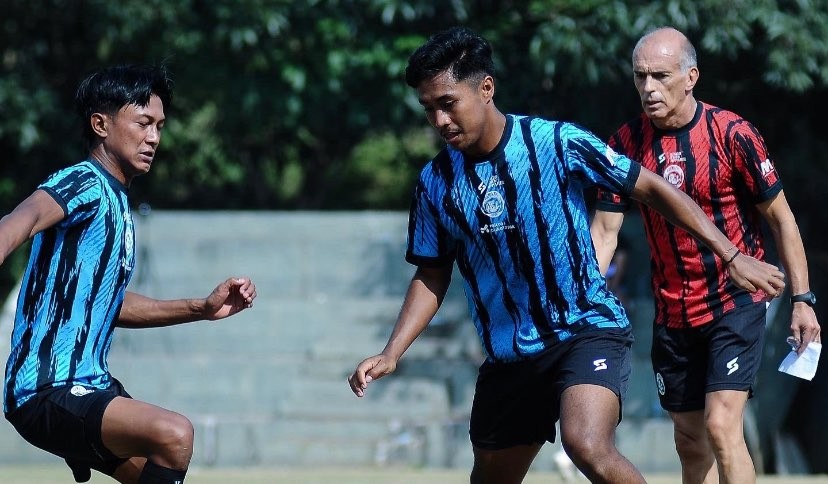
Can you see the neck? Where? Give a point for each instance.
(110, 165)
(683, 116)
(492, 133)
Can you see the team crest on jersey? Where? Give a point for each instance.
(660, 384)
(493, 204)
(675, 175)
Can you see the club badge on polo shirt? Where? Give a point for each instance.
(80, 391)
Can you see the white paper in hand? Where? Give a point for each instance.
(804, 365)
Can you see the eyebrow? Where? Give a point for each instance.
(438, 100)
(150, 117)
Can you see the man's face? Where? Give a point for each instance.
(456, 109)
(133, 135)
(663, 88)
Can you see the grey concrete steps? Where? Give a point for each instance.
(268, 387)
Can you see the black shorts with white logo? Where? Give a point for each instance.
(724, 354)
(519, 403)
(66, 421)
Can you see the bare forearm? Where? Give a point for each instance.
(423, 299)
(792, 255)
(143, 312)
(10, 239)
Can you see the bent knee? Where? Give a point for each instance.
(174, 435)
(587, 448)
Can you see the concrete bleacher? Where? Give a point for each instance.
(268, 387)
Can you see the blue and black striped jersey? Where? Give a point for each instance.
(73, 286)
(517, 225)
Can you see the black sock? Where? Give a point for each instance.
(155, 474)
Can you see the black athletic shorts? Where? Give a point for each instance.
(519, 403)
(724, 354)
(66, 421)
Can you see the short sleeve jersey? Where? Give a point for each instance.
(721, 161)
(516, 224)
(73, 287)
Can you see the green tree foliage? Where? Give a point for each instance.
(301, 104)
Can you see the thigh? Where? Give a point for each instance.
(589, 413)
(594, 376)
(679, 358)
(66, 421)
(689, 425)
(735, 348)
(133, 428)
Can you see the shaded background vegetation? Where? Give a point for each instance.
(284, 105)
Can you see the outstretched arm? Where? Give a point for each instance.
(425, 294)
(680, 210)
(780, 218)
(604, 229)
(228, 298)
(34, 214)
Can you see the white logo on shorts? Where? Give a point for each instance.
(80, 391)
(732, 365)
(660, 384)
(600, 364)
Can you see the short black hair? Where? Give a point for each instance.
(464, 53)
(110, 89)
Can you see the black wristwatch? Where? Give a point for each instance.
(808, 298)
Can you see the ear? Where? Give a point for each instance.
(692, 78)
(100, 124)
(487, 89)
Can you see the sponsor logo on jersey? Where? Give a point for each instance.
(129, 242)
(768, 171)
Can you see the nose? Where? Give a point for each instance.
(441, 119)
(648, 85)
(154, 135)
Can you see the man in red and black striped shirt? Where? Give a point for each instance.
(708, 332)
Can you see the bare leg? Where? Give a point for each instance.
(589, 415)
(506, 466)
(724, 413)
(142, 431)
(129, 471)
(698, 462)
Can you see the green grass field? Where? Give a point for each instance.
(59, 474)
